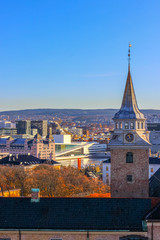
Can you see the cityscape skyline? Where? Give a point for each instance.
(74, 55)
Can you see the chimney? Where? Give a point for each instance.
(79, 163)
(35, 195)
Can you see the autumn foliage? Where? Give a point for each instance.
(63, 182)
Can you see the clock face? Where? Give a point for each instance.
(129, 137)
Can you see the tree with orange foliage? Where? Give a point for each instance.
(64, 182)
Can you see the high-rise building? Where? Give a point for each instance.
(129, 148)
(41, 126)
(23, 127)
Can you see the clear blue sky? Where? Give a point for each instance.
(73, 53)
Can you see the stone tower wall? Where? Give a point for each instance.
(139, 187)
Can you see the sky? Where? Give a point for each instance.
(73, 53)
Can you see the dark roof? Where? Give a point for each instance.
(154, 184)
(3, 140)
(73, 213)
(107, 161)
(24, 160)
(18, 141)
(154, 214)
(154, 160)
(21, 159)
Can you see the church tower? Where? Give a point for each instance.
(129, 147)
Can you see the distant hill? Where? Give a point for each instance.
(71, 112)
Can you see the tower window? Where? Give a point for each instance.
(142, 125)
(129, 178)
(129, 157)
(126, 125)
(132, 125)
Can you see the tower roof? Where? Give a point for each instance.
(37, 136)
(129, 108)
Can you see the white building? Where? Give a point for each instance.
(62, 138)
(96, 148)
(7, 124)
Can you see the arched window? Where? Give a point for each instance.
(126, 125)
(129, 157)
(132, 125)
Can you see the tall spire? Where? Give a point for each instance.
(129, 108)
(129, 58)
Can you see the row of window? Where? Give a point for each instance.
(131, 125)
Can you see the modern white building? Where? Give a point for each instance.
(62, 138)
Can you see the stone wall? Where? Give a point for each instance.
(120, 187)
(40, 235)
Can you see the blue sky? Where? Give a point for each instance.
(73, 53)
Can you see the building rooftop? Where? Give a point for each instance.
(108, 214)
(23, 160)
(154, 184)
(129, 108)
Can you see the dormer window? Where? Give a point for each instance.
(142, 125)
(126, 125)
(132, 125)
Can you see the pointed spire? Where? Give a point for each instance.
(129, 57)
(129, 108)
(37, 136)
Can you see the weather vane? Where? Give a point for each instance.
(129, 59)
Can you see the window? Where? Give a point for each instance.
(56, 239)
(129, 157)
(142, 125)
(120, 125)
(106, 168)
(5, 238)
(138, 126)
(132, 125)
(151, 169)
(126, 125)
(133, 237)
(129, 178)
(116, 125)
